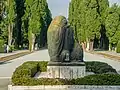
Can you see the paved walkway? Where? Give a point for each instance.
(94, 57)
(110, 52)
(6, 69)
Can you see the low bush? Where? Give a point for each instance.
(11, 48)
(23, 76)
(2, 46)
(99, 79)
(42, 66)
(118, 47)
(99, 67)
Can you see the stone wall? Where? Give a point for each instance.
(63, 87)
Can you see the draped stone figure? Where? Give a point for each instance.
(61, 43)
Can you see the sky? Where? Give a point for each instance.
(59, 7)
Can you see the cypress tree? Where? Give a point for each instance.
(10, 19)
(3, 21)
(39, 17)
(113, 25)
(87, 18)
(18, 32)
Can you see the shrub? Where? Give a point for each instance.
(99, 79)
(42, 66)
(11, 48)
(99, 67)
(54, 81)
(1, 45)
(118, 47)
(23, 76)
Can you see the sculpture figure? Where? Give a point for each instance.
(61, 43)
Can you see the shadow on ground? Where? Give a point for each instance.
(5, 62)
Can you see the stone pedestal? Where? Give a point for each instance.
(65, 70)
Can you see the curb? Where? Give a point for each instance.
(14, 56)
(105, 55)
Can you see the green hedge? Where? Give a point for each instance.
(23, 76)
(118, 47)
(99, 79)
(99, 67)
(24, 73)
(42, 66)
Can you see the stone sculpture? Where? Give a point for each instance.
(61, 43)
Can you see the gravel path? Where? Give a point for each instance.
(6, 69)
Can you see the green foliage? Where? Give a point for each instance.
(53, 81)
(118, 47)
(38, 17)
(23, 75)
(11, 48)
(18, 33)
(113, 24)
(86, 17)
(22, 16)
(99, 67)
(1, 45)
(100, 79)
(3, 21)
(42, 66)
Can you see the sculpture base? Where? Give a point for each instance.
(69, 70)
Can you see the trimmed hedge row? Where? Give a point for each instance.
(23, 76)
(99, 67)
(24, 73)
(99, 79)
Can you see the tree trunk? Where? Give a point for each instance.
(84, 46)
(32, 42)
(88, 47)
(10, 27)
(91, 45)
(10, 31)
(110, 49)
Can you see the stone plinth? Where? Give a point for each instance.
(64, 87)
(69, 70)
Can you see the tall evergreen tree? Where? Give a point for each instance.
(113, 25)
(87, 18)
(3, 21)
(18, 32)
(10, 19)
(38, 17)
